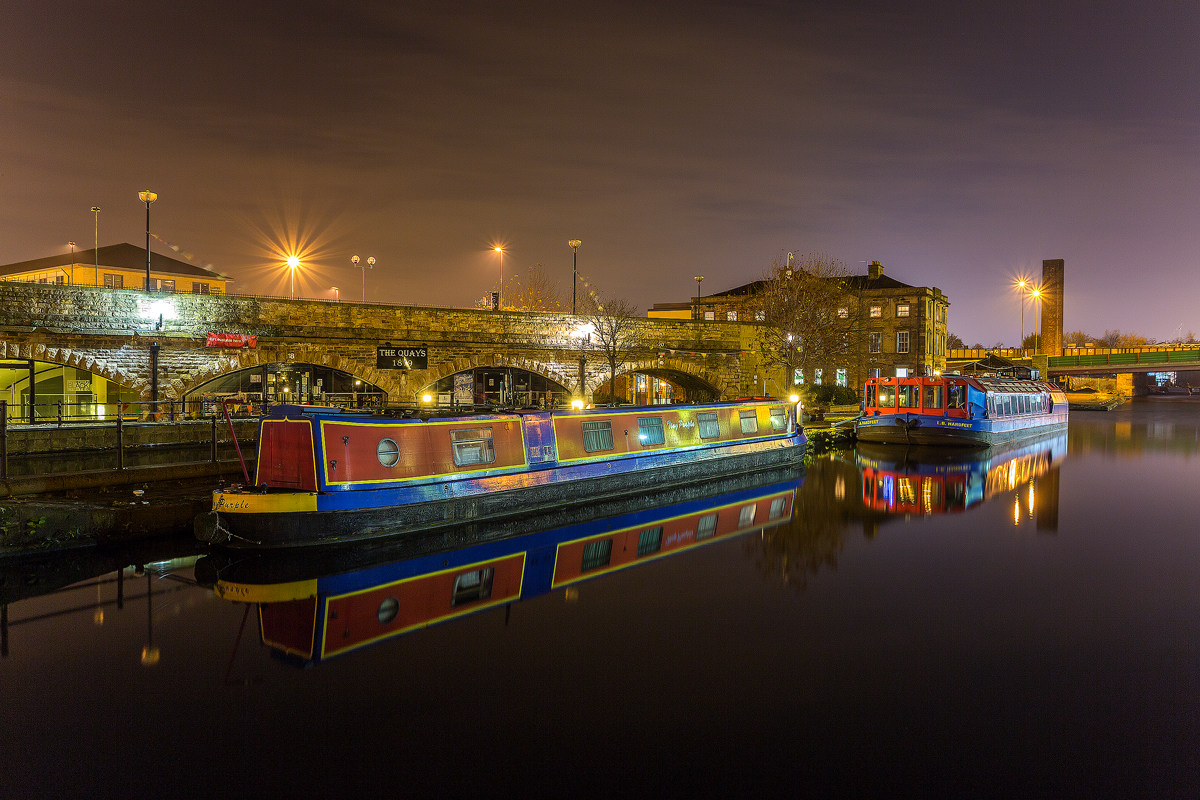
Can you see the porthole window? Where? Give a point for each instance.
(389, 608)
(388, 452)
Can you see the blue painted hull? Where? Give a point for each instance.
(928, 429)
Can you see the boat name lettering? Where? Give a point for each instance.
(223, 503)
(690, 423)
(682, 536)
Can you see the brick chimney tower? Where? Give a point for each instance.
(1052, 306)
(874, 271)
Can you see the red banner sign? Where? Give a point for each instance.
(231, 340)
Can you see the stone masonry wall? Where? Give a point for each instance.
(109, 332)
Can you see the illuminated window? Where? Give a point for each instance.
(597, 436)
(910, 395)
(114, 281)
(902, 310)
(933, 396)
(901, 341)
(841, 377)
(650, 431)
(731, 316)
(760, 316)
(777, 506)
(650, 541)
(710, 315)
(473, 586)
(746, 516)
(472, 446)
(749, 420)
(710, 427)
(843, 312)
(818, 373)
(876, 311)
(706, 527)
(199, 288)
(798, 377)
(901, 372)
(778, 419)
(596, 555)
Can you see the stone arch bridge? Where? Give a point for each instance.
(109, 333)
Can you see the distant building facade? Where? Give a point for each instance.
(118, 266)
(903, 327)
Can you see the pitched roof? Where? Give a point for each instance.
(853, 281)
(120, 256)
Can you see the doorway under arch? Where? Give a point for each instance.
(657, 386)
(298, 382)
(497, 386)
(59, 391)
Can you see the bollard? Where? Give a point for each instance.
(60, 413)
(214, 439)
(3, 440)
(120, 441)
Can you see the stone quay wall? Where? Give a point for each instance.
(109, 332)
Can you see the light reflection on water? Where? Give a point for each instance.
(1003, 624)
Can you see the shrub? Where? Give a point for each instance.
(832, 396)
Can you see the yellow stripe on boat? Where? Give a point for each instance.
(266, 593)
(264, 503)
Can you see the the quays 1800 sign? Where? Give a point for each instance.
(401, 357)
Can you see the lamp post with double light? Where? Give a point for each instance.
(500, 250)
(293, 262)
(147, 197)
(574, 243)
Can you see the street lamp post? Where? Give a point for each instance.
(337, 297)
(96, 250)
(369, 264)
(500, 250)
(1037, 299)
(293, 262)
(1021, 285)
(699, 294)
(574, 243)
(72, 244)
(147, 197)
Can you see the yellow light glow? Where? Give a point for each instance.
(577, 404)
(1032, 505)
(150, 656)
(498, 249)
(425, 398)
(795, 398)
(293, 261)
(1016, 511)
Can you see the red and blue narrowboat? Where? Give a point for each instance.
(326, 476)
(310, 614)
(959, 410)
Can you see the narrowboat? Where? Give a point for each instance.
(959, 410)
(327, 476)
(921, 480)
(308, 614)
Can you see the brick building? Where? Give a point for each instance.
(903, 327)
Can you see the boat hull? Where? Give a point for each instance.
(294, 519)
(924, 429)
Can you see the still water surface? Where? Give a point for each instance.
(1019, 624)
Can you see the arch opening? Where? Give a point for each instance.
(496, 386)
(291, 382)
(656, 386)
(59, 392)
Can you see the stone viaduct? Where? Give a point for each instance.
(109, 332)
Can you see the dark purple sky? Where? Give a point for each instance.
(958, 143)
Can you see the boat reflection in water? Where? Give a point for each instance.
(932, 480)
(313, 614)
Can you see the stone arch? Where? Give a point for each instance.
(694, 374)
(83, 358)
(421, 379)
(237, 360)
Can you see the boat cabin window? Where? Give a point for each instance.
(777, 506)
(933, 396)
(650, 431)
(887, 396)
(956, 396)
(778, 419)
(596, 555)
(746, 516)
(749, 421)
(910, 395)
(597, 436)
(650, 541)
(388, 452)
(1008, 409)
(870, 403)
(709, 427)
(706, 527)
(472, 586)
(473, 446)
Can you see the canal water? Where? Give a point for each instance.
(1019, 623)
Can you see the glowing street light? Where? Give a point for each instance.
(1021, 284)
(500, 250)
(337, 297)
(1037, 297)
(147, 197)
(699, 294)
(369, 264)
(72, 244)
(293, 262)
(96, 275)
(574, 243)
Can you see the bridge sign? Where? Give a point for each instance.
(401, 357)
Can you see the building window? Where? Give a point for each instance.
(114, 281)
(710, 315)
(749, 420)
(817, 374)
(710, 427)
(902, 310)
(843, 312)
(597, 436)
(166, 285)
(876, 311)
(199, 288)
(841, 377)
(901, 372)
(650, 431)
(596, 555)
(901, 341)
(731, 316)
(874, 373)
(472, 586)
(875, 342)
(473, 446)
(650, 541)
(760, 316)
(706, 527)
(59, 280)
(798, 377)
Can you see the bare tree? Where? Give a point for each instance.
(615, 329)
(954, 342)
(536, 292)
(811, 315)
